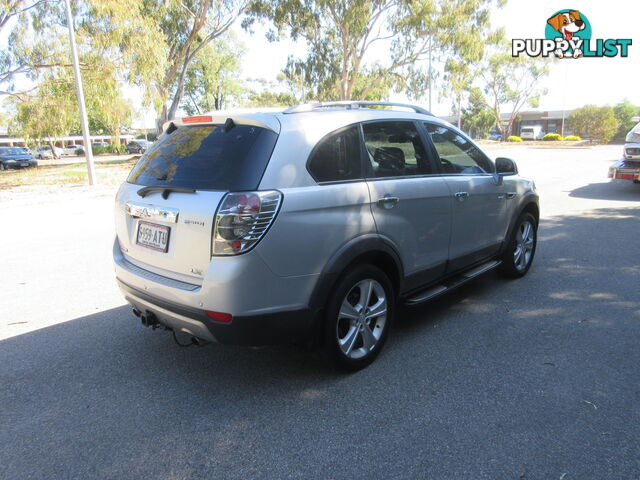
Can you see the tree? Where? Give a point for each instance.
(597, 123)
(510, 83)
(212, 81)
(340, 35)
(624, 113)
(187, 26)
(50, 114)
(269, 98)
(477, 118)
(52, 111)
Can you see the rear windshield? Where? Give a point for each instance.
(207, 158)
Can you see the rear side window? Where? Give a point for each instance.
(207, 158)
(337, 157)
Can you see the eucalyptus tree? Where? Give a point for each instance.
(360, 47)
(510, 83)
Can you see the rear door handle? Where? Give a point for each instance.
(388, 201)
(462, 196)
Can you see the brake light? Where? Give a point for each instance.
(198, 119)
(242, 220)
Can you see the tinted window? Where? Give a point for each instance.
(457, 154)
(337, 157)
(395, 149)
(207, 158)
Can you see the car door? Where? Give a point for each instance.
(479, 198)
(410, 201)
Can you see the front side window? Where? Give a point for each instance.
(457, 154)
(337, 157)
(395, 149)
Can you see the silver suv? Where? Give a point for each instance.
(313, 223)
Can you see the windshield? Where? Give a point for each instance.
(207, 158)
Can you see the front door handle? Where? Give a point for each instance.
(462, 196)
(388, 201)
(510, 195)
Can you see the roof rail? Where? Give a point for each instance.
(352, 104)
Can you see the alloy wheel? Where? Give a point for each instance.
(362, 319)
(525, 239)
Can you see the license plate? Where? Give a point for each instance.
(153, 236)
(24, 164)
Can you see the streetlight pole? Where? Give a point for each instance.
(91, 170)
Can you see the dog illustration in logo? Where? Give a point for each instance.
(567, 24)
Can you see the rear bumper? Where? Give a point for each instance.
(272, 328)
(625, 170)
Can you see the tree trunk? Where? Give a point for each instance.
(53, 149)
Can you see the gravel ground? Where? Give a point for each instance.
(534, 379)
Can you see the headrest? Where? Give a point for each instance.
(389, 157)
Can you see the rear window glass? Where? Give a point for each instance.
(207, 158)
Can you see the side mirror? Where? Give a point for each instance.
(506, 166)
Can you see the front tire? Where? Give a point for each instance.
(521, 249)
(358, 317)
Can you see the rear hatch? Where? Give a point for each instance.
(165, 211)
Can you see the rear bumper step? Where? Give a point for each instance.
(451, 284)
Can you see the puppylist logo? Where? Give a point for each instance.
(568, 35)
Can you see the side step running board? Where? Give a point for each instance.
(451, 283)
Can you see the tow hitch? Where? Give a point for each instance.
(148, 319)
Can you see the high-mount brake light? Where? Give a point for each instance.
(198, 119)
(242, 220)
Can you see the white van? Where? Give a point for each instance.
(531, 132)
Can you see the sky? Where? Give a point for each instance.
(570, 84)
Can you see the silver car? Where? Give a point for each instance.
(313, 224)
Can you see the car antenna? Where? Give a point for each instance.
(228, 125)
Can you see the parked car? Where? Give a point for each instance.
(44, 151)
(495, 136)
(137, 146)
(313, 224)
(72, 149)
(531, 132)
(632, 144)
(16, 157)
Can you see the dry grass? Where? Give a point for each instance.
(111, 172)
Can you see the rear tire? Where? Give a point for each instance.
(521, 248)
(358, 317)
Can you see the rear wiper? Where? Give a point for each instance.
(165, 190)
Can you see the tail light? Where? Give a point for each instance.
(242, 220)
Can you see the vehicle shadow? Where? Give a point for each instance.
(619, 190)
(101, 396)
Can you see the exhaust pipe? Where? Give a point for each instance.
(148, 319)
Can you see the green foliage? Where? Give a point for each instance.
(51, 113)
(212, 81)
(624, 112)
(477, 119)
(79, 151)
(572, 138)
(268, 98)
(341, 37)
(513, 138)
(597, 123)
(552, 137)
(100, 149)
(52, 110)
